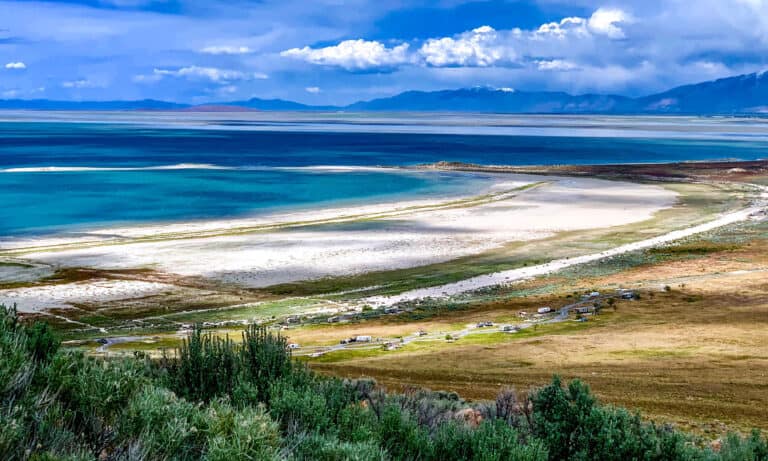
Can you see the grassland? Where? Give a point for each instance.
(693, 349)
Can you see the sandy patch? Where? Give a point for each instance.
(513, 275)
(34, 299)
(406, 238)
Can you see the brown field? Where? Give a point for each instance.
(695, 353)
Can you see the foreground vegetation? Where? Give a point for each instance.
(216, 399)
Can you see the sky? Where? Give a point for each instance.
(341, 51)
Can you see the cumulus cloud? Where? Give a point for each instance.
(226, 49)
(353, 55)
(574, 26)
(606, 21)
(312, 89)
(209, 73)
(483, 46)
(18, 65)
(479, 47)
(556, 65)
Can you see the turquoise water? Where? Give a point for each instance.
(266, 170)
(46, 202)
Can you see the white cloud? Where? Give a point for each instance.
(556, 65)
(479, 47)
(18, 65)
(82, 83)
(10, 94)
(226, 49)
(353, 55)
(604, 22)
(572, 39)
(209, 73)
(312, 89)
(572, 25)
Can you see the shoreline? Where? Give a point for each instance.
(522, 208)
(289, 217)
(467, 184)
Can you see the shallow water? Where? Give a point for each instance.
(58, 175)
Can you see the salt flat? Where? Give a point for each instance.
(349, 240)
(32, 299)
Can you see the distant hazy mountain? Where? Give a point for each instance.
(276, 104)
(740, 94)
(494, 100)
(734, 95)
(45, 104)
(217, 108)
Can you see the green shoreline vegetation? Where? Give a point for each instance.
(214, 399)
(696, 203)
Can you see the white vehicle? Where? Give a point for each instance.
(293, 346)
(363, 339)
(544, 310)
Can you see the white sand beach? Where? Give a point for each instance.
(349, 240)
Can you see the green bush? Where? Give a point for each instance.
(736, 448)
(42, 341)
(94, 392)
(490, 441)
(573, 426)
(402, 437)
(160, 425)
(247, 433)
(218, 400)
(315, 447)
(207, 367)
(298, 409)
(356, 423)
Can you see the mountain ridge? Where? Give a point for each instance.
(741, 94)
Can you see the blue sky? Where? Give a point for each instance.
(340, 51)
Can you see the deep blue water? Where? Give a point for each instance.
(41, 202)
(78, 144)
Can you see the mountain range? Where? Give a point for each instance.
(743, 94)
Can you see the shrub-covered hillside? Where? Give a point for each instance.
(219, 400)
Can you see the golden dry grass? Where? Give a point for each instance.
(696, 355)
